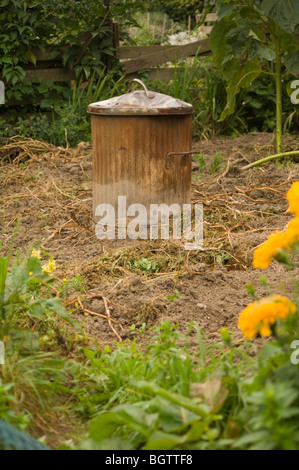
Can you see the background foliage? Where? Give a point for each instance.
(179, 10)
(244, 42)
(243, 51)
(58, 26)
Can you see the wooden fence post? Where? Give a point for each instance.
(164, 27)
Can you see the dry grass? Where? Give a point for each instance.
(37, 184)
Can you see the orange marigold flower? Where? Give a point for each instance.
(259, 316)
(293, 198)
(292, 232)
(264, 254)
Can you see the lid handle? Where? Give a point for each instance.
(149, 94)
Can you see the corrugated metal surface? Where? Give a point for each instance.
(129, 159)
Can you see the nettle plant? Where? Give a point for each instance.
(255, 37)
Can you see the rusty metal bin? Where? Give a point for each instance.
(141, 149)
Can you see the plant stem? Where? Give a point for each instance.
(278, 94)
(271, 157)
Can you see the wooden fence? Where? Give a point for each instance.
(134, 59)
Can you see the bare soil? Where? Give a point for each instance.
(50, 189)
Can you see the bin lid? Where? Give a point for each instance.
(140, 102)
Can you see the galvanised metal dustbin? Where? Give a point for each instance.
(141, 149)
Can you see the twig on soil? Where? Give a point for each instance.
(58, 230)
(105, 300)
(108, 316)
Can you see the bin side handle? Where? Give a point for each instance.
(149, 94)
(179, 154)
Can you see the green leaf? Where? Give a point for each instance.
(265, 52)
(224, 10)
(4, 262)
(136, 418)
(239, 77)
(103, 426)
(129, 415)
(291, 62)
(284, 12)
(31, 57)
(89, 354)
(37, 311)
(163, 441)
(250, 13)
(34, 266)
(175, 398)
(6, 60)
(56, 306)
(255, 437)
(269, 351)
(218, 39)
(43, 88)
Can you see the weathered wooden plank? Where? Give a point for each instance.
(168, 73)
(166, 55)
(211, 18)
(57, 75)
(133, 52)
(206, 30)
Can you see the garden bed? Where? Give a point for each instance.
(120, 283)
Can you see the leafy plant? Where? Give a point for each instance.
(225, 396)
(174, 296)
(216, 162)
(75, 34)
(200, 160)
(69, 120)
(179, 10)
(24, 292)
(159, 399)
(147, 265)
(247, 38)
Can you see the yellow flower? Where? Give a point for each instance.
(31, 273)
(35, 254)
(261, 314)
(264, 254)
(52, 265)
(293, 198)
(49, 267)
(64, 280)
(292, 232)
